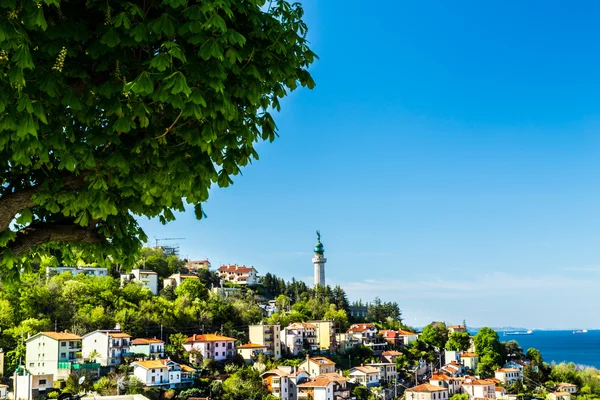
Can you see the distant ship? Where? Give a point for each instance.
(529, 332)
(579, 331)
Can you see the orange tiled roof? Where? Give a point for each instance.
(334, 376)
(297, 325)
(118, 335)
(427, 388)
(186, 368)
(61, 335)
(391, 353)
(479, 382)
(145, 341)
(361, 327)
(209, 337)
(508, 370)
(440, 377)
(467, 354)
(151, 364)
(366, 369)
(252, 346)
(277, 372)
(561, 393)
(235, 268)
(456, 327)
(406, 333)
(321, 360)
(564, 384)
(317, 382)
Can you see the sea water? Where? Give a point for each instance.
(562, 346)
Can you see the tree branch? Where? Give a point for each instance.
(42, 233)
(13, 203)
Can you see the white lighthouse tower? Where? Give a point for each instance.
(319, 261)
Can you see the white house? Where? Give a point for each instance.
(518, 364)
(176, 279)
(250, 351)
(508, 375)
(453, 369)
(3, 391)
(365, 375)
(211, 346)
(148, 279)
(317, 389)
(298, 336)
(239, 274)
(426, 391)
(283, 381)
(407, 337)
(387, 370)
(106, 346)
(367, 334)
(448, 382)
(90, 271)
(479, 388)
(52, 353)
(165, 373)
(151, 348)
(28, 387)
(567, 387)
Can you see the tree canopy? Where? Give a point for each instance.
(111, 110)
(458, 341)
(435, 334)
(490, 350)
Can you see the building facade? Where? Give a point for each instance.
(269, 336)
(299, 337)
(147, 278)
(239, 274)
(151, 348)
(90, 271)
(426, 391)
(209, 346)
(52, 353)
(508, 375)
(106, 347)
(176, 279)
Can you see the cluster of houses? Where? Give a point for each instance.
(238, 274)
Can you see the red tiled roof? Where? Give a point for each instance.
(469, 354)
(252, 346)
(440, 377)
(236, 268)
(508, 370)
(209, 337)
(361, 327)
(427, 388)
(406, 333)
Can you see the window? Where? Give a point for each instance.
(63, 344)
(32, 364)
(63, 355)
(42, 382)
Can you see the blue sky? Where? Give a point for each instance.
(449, 155)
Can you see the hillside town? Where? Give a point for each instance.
(311, 359)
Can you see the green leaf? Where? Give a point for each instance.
(210, 49)
(22, 57)
(217, 22)
(24, 104)
(161, 62)
(177, 53)
(122, 125)
(82, 218)
(49, 85)
(163, 25)
(199, 212)
(139, 32)
(16, 77)
(25, 217)
(197, 97)
(177, 83)
(123, 20)
(26, 126)
(142, 84)
(111, 38)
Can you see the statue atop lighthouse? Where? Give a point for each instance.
(319, 261)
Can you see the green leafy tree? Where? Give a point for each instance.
(134, 386)
(458, 341)
(435, 334)
(458, 396)
(111, 110)
(192, 288)
(513, 350)
(490, 350)
(175, 346)
(361, 393)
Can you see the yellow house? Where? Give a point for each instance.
(316, 366)
(469, 360)
(559, 396)
(325, 335)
